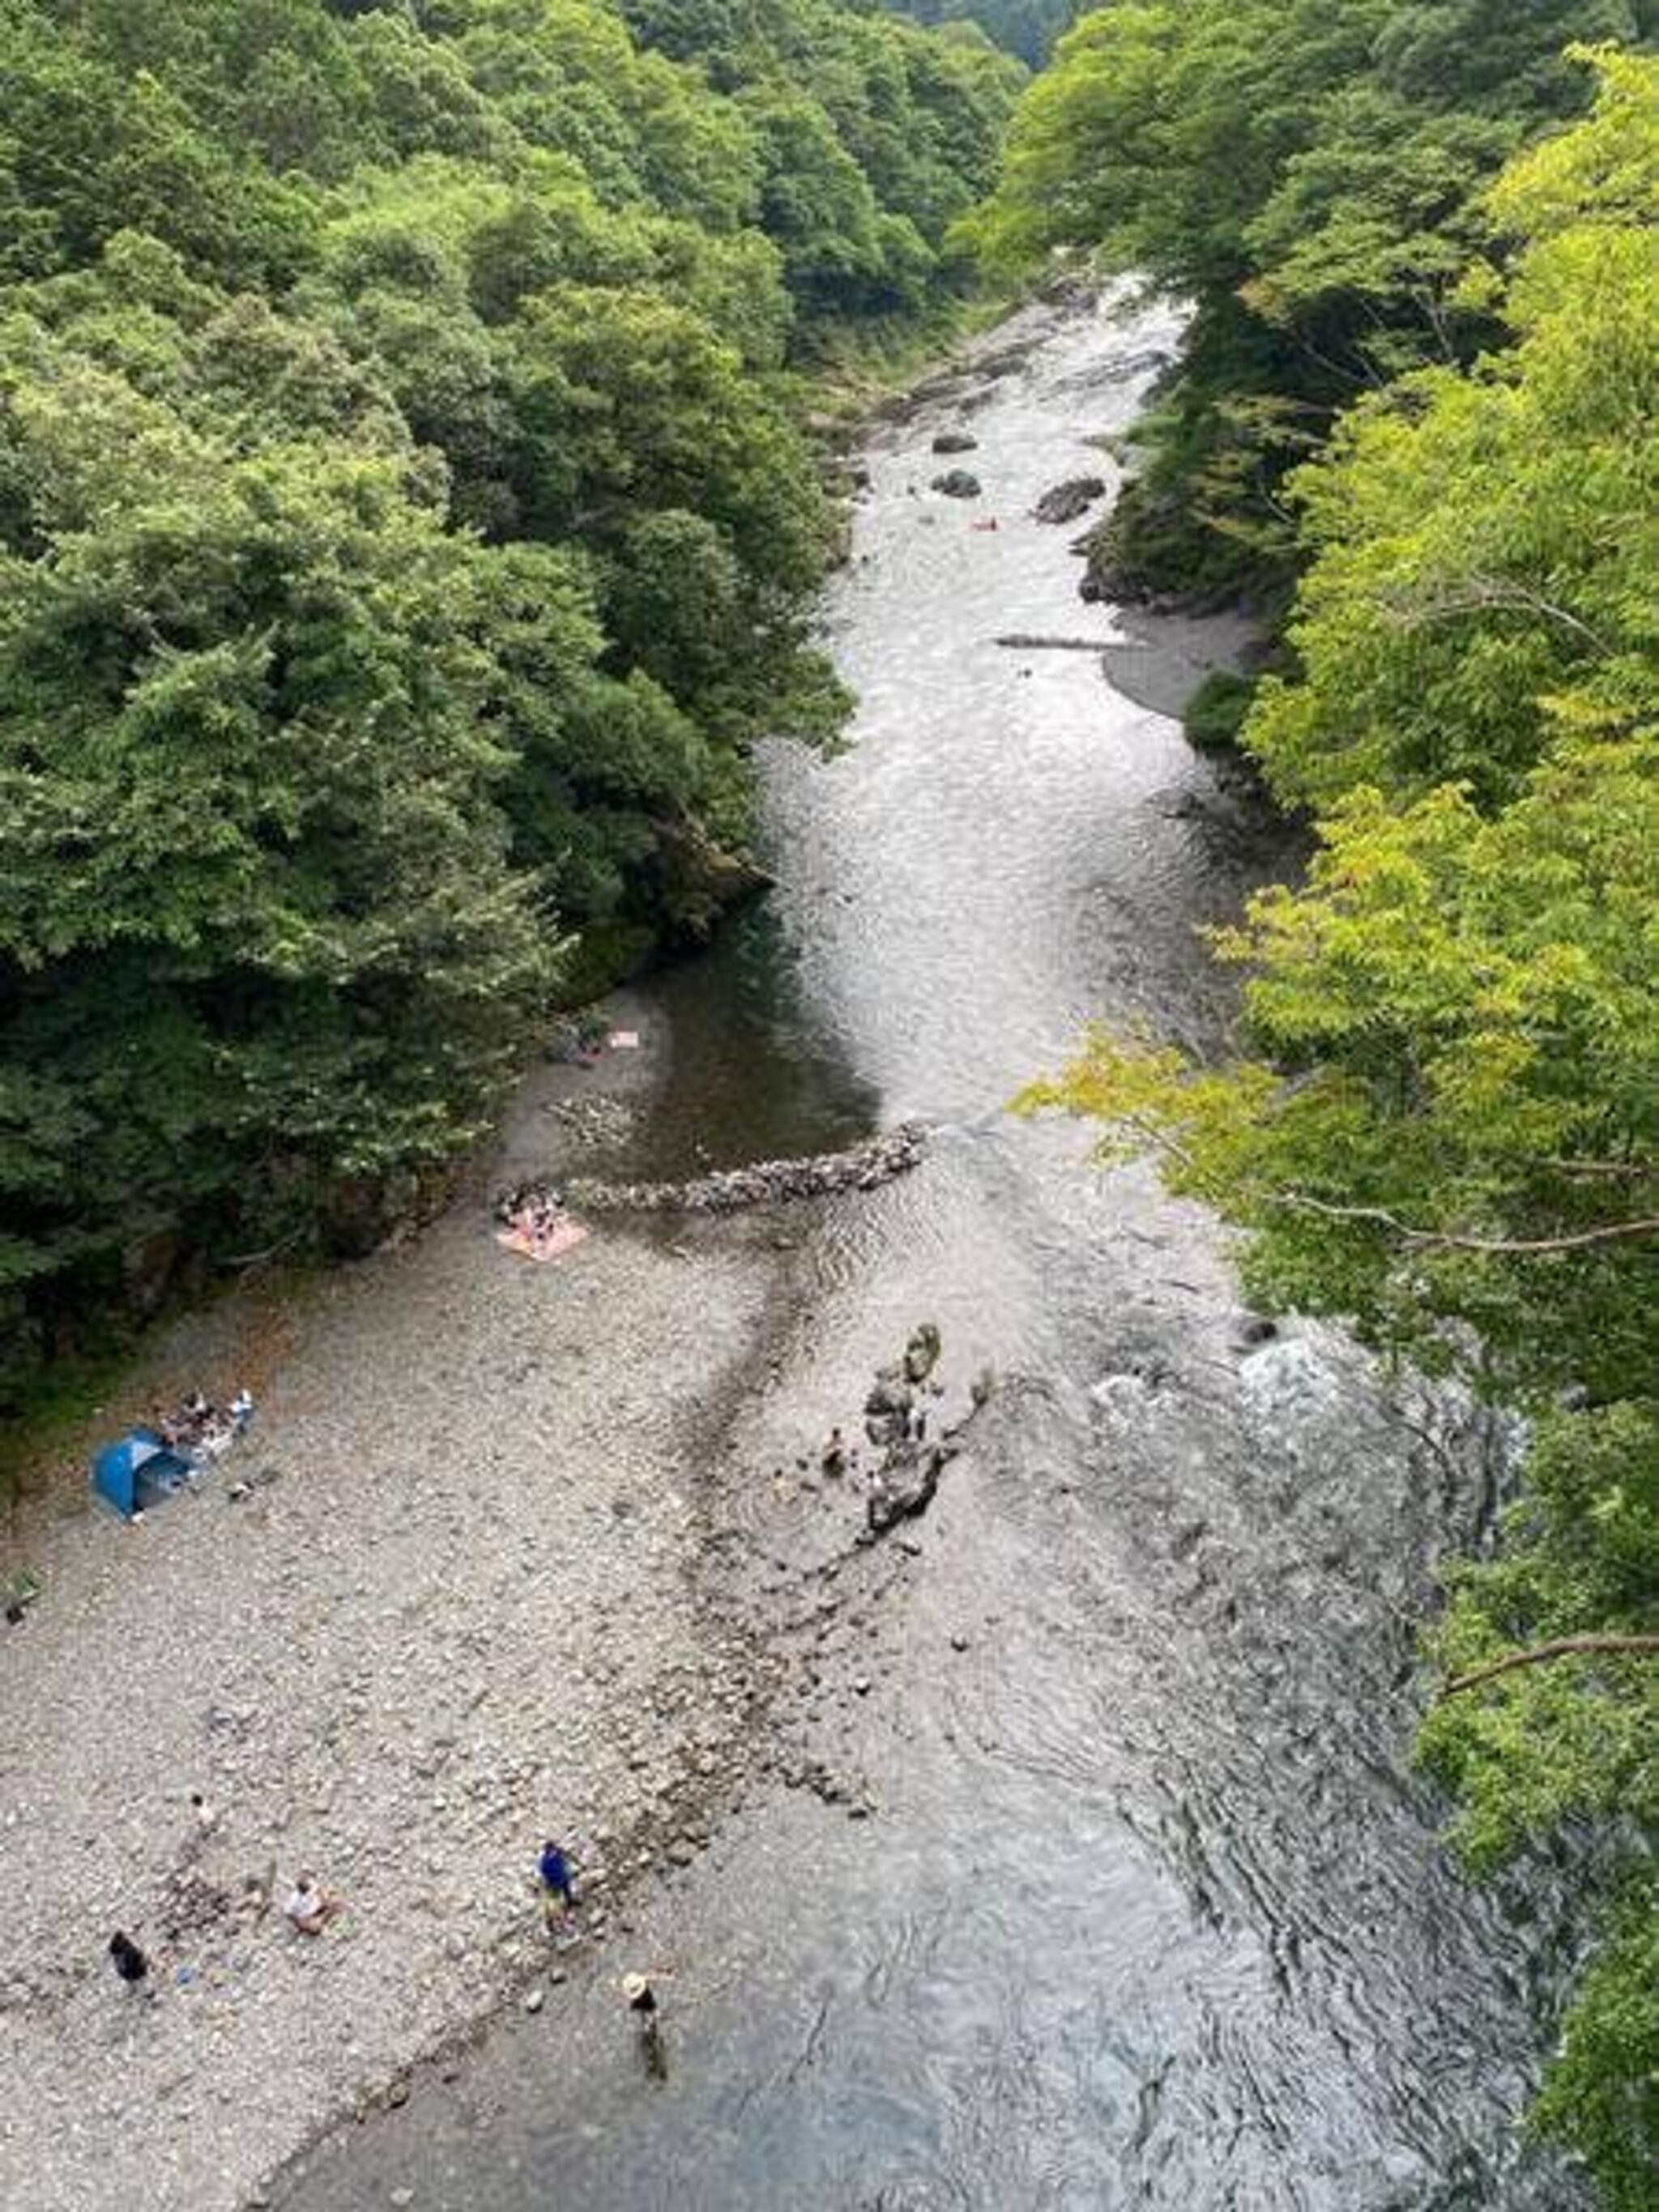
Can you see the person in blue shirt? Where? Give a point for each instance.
(558, 1884)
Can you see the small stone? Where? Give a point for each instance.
(402, 2196)
(861, 1685)
(535, 2000)
(958, 1643)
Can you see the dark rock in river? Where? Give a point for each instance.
(904, 1487)
(1008, 362)
(955, 441)
(922, 1352)
(1069, 500)
(887, 1408)
(957, 484)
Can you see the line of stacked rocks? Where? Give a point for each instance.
(766, 1182)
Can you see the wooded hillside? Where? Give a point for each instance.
(405, 527)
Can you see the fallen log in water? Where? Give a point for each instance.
(1020, 640)
(766, 1182)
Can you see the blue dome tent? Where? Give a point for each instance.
(137, 1472)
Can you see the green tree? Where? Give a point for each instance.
(1486, 544)
(257, 910)
(406, 531)
(1448, 1131)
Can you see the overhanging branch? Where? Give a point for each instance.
(1538, 1654)
(1607, 1232)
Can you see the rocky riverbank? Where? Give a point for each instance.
(450, 1615)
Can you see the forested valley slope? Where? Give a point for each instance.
(406, 525)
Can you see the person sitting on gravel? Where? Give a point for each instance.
(309, 1906)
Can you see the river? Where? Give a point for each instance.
(1123, 1894)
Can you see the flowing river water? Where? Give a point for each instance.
(1120, 1893)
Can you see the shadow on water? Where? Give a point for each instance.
(746, 1075)
(1132, 1901)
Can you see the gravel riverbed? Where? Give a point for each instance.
(452, 1614)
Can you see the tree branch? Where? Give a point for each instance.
(1489, 594)
(1158, 1137)
(1538, 1655)
(1607, 1232)
(1624, 1171)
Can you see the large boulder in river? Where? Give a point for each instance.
(904, 1487)
(1069, 500)
(887, 1408)
(955, 441)
(922, 1352)
(957, 484)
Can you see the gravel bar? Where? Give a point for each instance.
(452, 1613)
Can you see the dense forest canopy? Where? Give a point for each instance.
(1026, 27)
(1415, 274)
(405, 527)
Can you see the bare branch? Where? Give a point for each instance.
(1483, 594)
(1538, 1655)
(1158, 1139)
(1607, 1232)
(1623, 1170)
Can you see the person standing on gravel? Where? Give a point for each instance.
(127, 1958)
(558, 1885)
